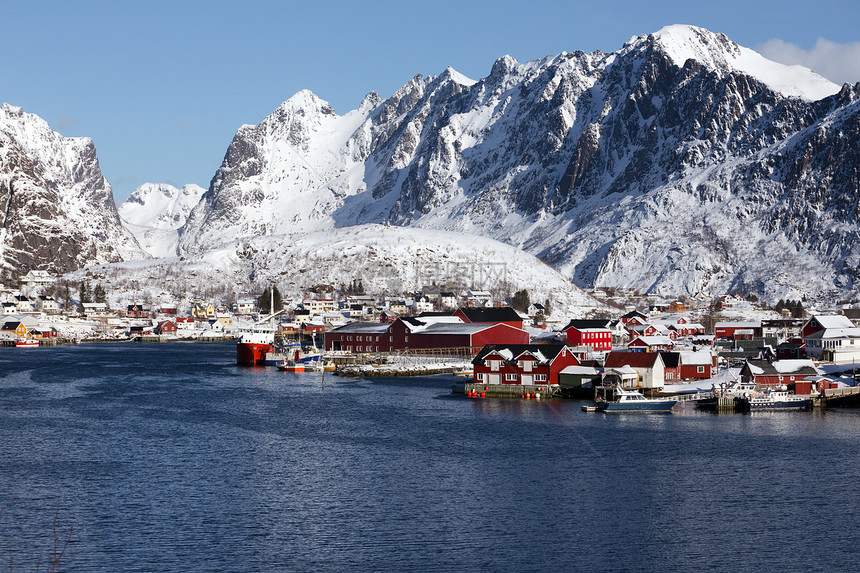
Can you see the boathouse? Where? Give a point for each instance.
(777, 372)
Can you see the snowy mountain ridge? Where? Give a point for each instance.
(681, 164)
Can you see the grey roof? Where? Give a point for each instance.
(362, 328)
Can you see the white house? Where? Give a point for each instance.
(246, 306)
(479, 298)
(832, 338)
(47, 304)
(37, 279)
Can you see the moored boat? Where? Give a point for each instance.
(774, 400)
(253, 345)
(621, 400)
(26, 343)
(727, 396)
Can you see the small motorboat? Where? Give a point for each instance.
(26, 343)
(621, 400)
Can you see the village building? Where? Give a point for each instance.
(650, 344)
(165, 327)
(594, 334)
(14, 329)
(479, 298)
(37, 279)
(47, 304)
(136, 311)
(738, 330)
(246, 306)
(634, 317)
(831, 338)
(696, 365)
(203, 311)
(9, 308)
(23, 304)
(648, 366)
(524, 364)
(319, 305)
(96, 309)
(448, 299)
(428, 332)
(777, 372)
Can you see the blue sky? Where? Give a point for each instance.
(161, 87)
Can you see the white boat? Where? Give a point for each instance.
(26, 343)
(621, 400)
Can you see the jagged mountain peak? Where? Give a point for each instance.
(716, 51)
(60, 213)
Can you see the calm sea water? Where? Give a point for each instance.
(171, 458)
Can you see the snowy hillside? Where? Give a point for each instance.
(681, 164)
(155, 212)
(387, 260)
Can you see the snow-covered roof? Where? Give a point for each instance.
(537, 354)
(580, 370)
(789, 366)
(833, 321)
(654, 340)
(700, 357)
(504, 353)
(626, 370)
(738, 325)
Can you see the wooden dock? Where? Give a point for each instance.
(511, 390)
(848, 397)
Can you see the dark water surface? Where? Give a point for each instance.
(168, 457)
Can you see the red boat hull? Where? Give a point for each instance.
(251, 353)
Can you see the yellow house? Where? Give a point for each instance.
(203, 311)
(225, 319)
(15, 327)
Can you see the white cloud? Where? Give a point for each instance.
(839, 63)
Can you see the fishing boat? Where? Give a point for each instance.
(727, 395)
(299, 366)
(26, 343)
(253, 344)
(775, 400)
(621, 400)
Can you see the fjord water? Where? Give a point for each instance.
(169, 457)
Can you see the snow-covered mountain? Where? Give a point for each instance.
(681, 163)
(58, 210)
(155, 213)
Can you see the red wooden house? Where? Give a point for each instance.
(651, 344)
(778, 372)
(696, 365)
(634, 317)
(421, 333)
(136, 311)
(738, 330)
(525, 364)
(165, 327)
(595, 333)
